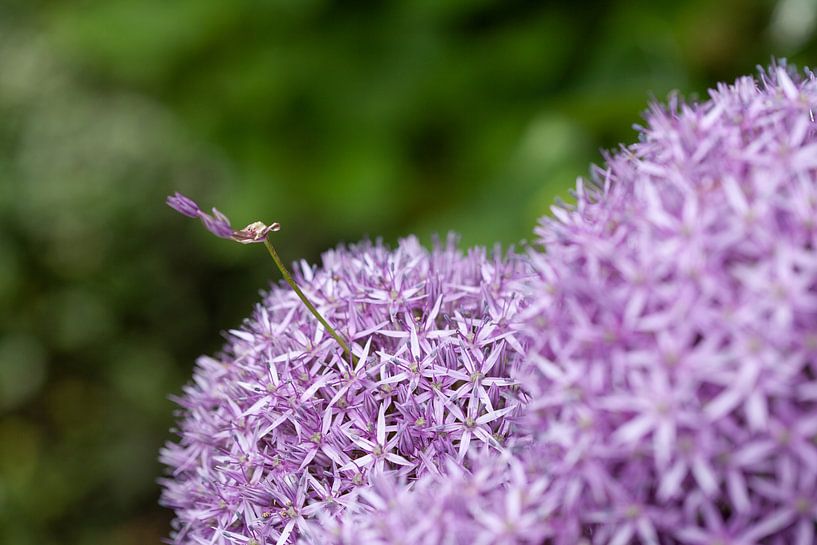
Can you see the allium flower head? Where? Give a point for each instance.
(281, 426)
(653, 381)
(674, 324)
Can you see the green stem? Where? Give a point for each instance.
(303, 298)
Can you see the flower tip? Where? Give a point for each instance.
(183, 205)
(786, 83)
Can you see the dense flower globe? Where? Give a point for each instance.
(673, 363)
(281, 426)
(656, 384)
(675, 328)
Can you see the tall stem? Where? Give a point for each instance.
(305, 301)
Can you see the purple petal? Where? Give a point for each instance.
(218, 224)
(183, 205)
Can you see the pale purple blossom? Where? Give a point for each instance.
(647, 375)
(672, 369)
(497, 502)
(670, 387)
(280, 427)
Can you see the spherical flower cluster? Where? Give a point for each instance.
(674, 382)
(673, 363)
(647, 375)
(282, 425)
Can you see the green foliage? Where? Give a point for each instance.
(336, 119)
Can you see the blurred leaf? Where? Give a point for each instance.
(22, 369)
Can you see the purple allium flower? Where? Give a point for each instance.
(497, 502)
(218, 223)
(281, 427)
(674, 328)
(673, 334)
(656, 384)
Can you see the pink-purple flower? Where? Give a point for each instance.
(281, 427)
(669, 324)
(645, 375)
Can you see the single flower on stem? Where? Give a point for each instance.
(219, 225)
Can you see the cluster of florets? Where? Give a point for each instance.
(664, 376)
(498, 501)
(673, 381)
(282, 425)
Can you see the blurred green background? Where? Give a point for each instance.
(337, 119)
